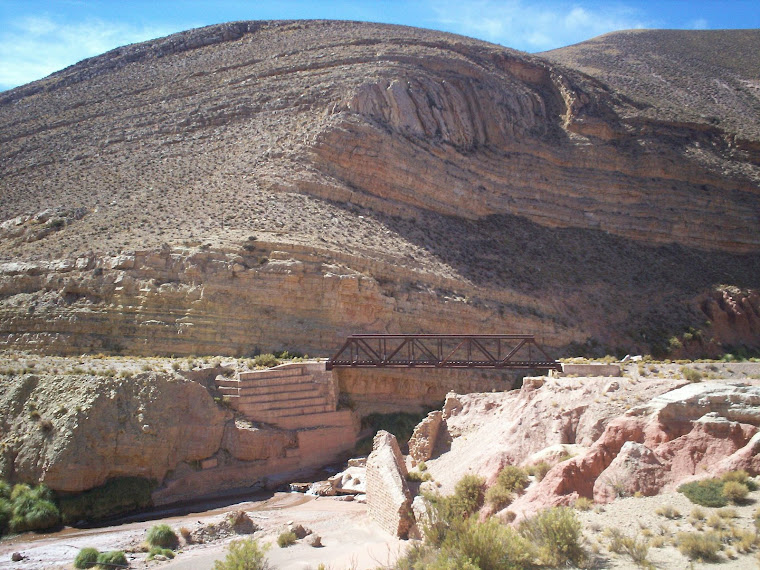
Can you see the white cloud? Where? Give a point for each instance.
(35, 46)
(534, 26)
(698, 24)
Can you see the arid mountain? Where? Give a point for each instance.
(265, 185)
(709, 77)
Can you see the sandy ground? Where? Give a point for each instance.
(638, 517)
(350, 539)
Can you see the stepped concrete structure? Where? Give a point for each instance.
(290, 396)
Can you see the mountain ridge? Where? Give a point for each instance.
(389, 150)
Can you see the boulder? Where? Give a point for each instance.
(352, 480)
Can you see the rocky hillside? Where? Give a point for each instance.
(269, 185)
(707, 77)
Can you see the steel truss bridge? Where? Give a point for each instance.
(500, 351)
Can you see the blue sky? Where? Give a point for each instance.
(39, 37)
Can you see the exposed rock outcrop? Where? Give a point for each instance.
(76, 431)
(425, 436)
(680, 433)
(389, 500)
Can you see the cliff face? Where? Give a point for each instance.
(411, 180)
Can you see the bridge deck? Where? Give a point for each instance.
(442, 351)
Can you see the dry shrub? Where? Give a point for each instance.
(699, 545)
(556, 532)
(735, 492)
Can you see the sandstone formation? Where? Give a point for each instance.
(76, 431)
(277, 185)
(388, 498)
(601, 443)
(422, 444)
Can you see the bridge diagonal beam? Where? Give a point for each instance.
(512, 352)
(449, 356)
(389, 358)
(433, 357)
(483, 349)
(368, 350)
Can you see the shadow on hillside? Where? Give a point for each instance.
(650, 288)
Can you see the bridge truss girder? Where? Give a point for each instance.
(442, 351)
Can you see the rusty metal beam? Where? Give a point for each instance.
(441, 351)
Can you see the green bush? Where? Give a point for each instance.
(707, 492)
(734, 491)
(244, 555)
(539, 470)
(455, 540)
(691, 374)
(5, 490)
(469, 495)
(267, 360)
(6, 512)
(556, 532)
(87, 558)
(418, 477)
(511, 480)
(699, 545)
(490, 546)
(19, 489)
(112, 559)
(157, 550)
(287, 538)
(115, 497)
(499, 498)
(30, 512)
(162, 535)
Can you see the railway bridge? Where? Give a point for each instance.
(497, 351)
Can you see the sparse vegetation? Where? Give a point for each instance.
(117, 496)
(668, 511)
(699, 545)
(244, 555)
(454, 538)
(538, 470)
(510, 481)
(583, 504)
(112, 559)
(86, 558)
(159, 551)
(707, 492)
(286, 538)
(691, 374)
(418, 477)
(635, 547)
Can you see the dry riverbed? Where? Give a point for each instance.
(349, 537)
